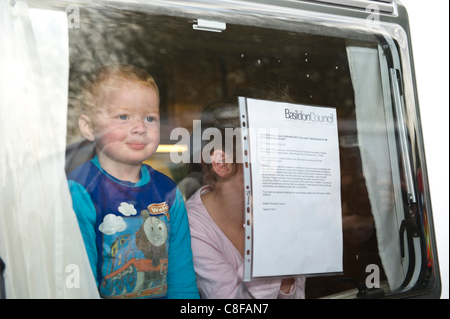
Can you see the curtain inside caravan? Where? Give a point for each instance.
(40, 241)
(375, 155)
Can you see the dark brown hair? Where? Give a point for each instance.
(224, 114)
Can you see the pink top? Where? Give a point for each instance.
(220, 267)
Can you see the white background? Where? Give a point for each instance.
(429, 21)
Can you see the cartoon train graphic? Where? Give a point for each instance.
(137, 264)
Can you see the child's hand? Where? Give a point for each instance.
(286, 285)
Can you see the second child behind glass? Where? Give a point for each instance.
(217, 213)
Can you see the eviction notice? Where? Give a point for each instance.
(297, 222)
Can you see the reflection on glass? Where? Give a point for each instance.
(193, 68)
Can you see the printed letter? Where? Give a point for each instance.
(74, 15)
(181, 145)
(373, 280)
(373, 20)
(73, 280)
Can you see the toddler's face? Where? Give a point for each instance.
(127, 124)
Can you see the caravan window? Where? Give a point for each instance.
(319, 60)
(322, 66)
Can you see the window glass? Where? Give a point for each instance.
(193, 68)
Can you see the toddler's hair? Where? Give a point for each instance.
(113, 74)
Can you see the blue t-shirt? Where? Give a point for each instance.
(136, 234)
